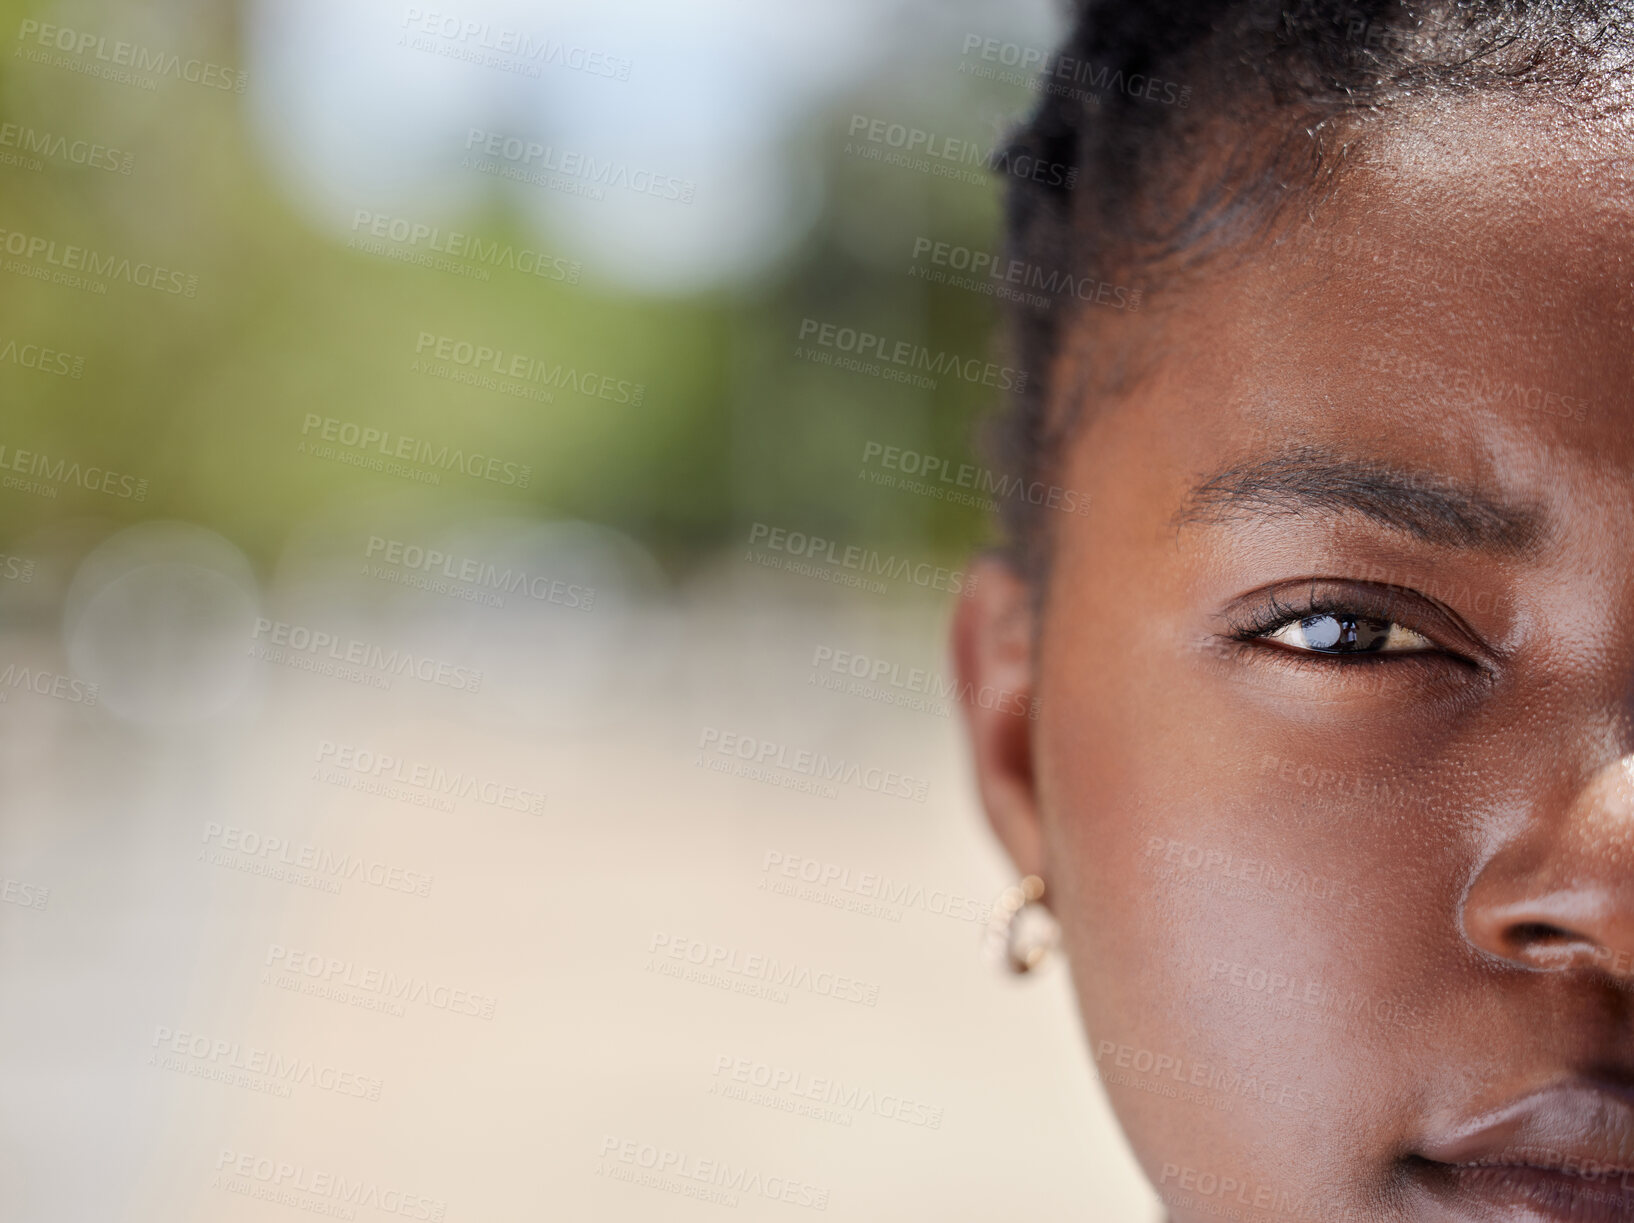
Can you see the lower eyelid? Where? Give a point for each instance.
(1340, 672)
(1271, 653)
(1339, 682)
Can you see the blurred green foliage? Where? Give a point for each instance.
(204, 396)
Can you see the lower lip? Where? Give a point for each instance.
(1519, 1192)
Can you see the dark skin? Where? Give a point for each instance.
(1333, 783)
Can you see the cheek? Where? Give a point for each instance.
(1218, 890)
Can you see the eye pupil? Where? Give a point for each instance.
(1342, 634)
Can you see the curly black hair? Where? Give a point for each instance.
(1277, 97)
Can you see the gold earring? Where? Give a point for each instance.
(1021, 932)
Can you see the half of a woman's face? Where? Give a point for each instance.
(1333, 783)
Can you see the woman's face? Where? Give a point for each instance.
(1333, 782)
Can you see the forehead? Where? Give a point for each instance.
(1464, 299)
(1484, 215)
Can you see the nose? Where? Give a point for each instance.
(1559, 895)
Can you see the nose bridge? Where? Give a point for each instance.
(1603, 812)
(1596, 824)
(1554, 886)
(1558, 893)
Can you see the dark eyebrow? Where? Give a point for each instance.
(1425, 506)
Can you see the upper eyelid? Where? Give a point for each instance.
(1314, 596)
(1285, 611)
(1296, 615)
(1443, 626)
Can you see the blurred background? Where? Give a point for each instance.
(482, 490)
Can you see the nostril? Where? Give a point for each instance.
(1546, 945)
(1560, 917)
(1535, 933)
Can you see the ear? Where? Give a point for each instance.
(993, 658)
